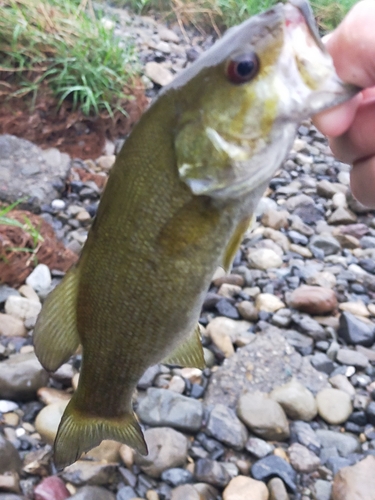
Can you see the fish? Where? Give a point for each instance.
(177, 203)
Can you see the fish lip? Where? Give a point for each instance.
(307, 13)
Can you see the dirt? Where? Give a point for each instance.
(46, 124)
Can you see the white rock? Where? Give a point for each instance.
(264, 258)
(158, 73)
(357, 308)
(48, 420)
(58, 204)
(22, 308)
(11, 327)
(245, 488)
(40, 278)
(268, 302)
(334, 406)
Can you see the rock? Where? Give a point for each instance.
(344, 443)
(227, 290)
(177, 476)
(277, 489)
(21, 375)
(273, 466)
(10, 460)
(334, 406)
(326, 189)
(261, 366)
(106, 162)
(263, 416)
(224, 332)
(248, 310)
(167, 448)
(258, 447)
(276, 219)
(51, 488)
(268, 302)
(323, 490)
(126, 493)
(354, 331)
(211, 472)
(321, 362)
(342, 215)
(264, 258)
(40, 278)
(48, 395)
(326, 243)
(356, 308)
(350, 357)
(303, 433)
(224, 426)
(356, 482)
(309, 326)
(244, 488)
(313, 299)
(107, 451)
(158, 73)
(341, 382)
(164, 407)
(22, 308)
(148, 377)
(83, 473)
(185, 492)
(35, 172)
(297, 401)
(302, 459)
(93, 493)
(11, 326)
(48, 420)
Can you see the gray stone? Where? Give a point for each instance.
(93, 493)
(224, 425)
(263, 416)
(148, 377)
(164, 407)
(321, 362)
(7, 291)
(344, 443)
(84, 472)
(302, 459)
(258, 447)
(350, 357)
(322, 490)
(10, 460)
(355, 331)
(328, 244)
(35, 172)
(277, 489)
(305, 435)
(211, 472)
(309, 326)
(167, 448)
(21, 376)
(177, 476)
(126, 493)
(273, 466)
(334, 406)
(297, 401)
(356, 482)
(263, 364)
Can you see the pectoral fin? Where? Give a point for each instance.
(55, 333)
(235, 241)
(189, 353)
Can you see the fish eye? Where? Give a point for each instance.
(242, 68)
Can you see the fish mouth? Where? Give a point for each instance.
(302, 12)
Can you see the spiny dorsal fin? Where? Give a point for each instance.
(55, 333)
(189, 353)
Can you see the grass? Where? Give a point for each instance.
(226, 13)
(65, 46)
(27, 226)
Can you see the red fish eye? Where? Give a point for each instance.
(242, 68)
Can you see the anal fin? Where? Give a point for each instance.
(55, 334)
(189, 353)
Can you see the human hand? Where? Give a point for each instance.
(351, 126)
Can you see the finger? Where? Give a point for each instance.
(337, 120)
(358, 142)
(352, 45)
(362, 181)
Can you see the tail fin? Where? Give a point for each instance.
(79, 433)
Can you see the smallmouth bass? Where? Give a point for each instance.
(178, 200)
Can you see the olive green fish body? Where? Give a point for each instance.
(178, 200)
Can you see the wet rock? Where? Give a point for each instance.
(51, 488)
(83, 473)
(167, 448)
(244, 488)
(334, 406)
(11, 326)
(48, 420)
(356, 482)
(354, 331)
(164, 407)
(302, 459)
(264, 258)
(211, 472)
(273, 466)
(313, 299)
(93, 493)
(263, 416)
(261, 366)
(297, 401)
(258, 447)
(344, 443)
(21, 376)
(22, 308)
(277, 489)
(224, 426)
